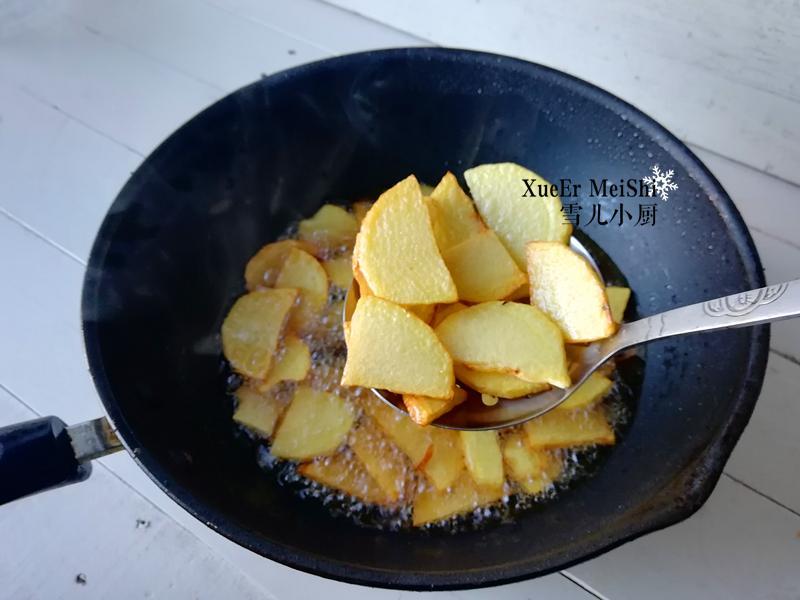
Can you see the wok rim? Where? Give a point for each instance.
(696, 481)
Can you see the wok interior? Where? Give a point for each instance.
(169, 260)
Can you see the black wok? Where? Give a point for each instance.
(168, 262)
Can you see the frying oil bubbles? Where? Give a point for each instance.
(328, 355)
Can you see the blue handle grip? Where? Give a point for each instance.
(35, 456)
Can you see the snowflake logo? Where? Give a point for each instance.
(660, 182)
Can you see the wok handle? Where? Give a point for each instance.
(44, 453)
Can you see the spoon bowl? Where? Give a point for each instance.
(753, 307)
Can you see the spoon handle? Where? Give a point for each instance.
(764, 305)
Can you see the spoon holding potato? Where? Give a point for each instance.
(744, 309)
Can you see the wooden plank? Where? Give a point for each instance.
(768, 452)
(739, 545)
(41, 350)
(104, 533)
(723, 78)
(781, 263)
(116, 90)
(58, 175)
(325, 26)
(211, 44)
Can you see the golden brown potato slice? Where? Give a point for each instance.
(502, 385)
(391, 349)
(446, 461)
(423, 311)
(396, 252)
(507, 337)
(483, 457)
(413, 440)
(360, 210)
(292, 364)
(262, 270)
(589, 393)
(382, 460)
(425, 189)
(424, 410)
(340, 271)
(523, 292)
(330, 228)
(251, 330)
(315, 424)
(452, 213)
(482, 268)
(463, 496)
(618, 301)
(565, 429)
(257, 411)
(303, 272)
(533, 470)
(363, 288)
(499, 193)
(565, 286)
(346, 331)
(445, 310)
(345, 473)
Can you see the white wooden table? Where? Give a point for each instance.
(90, 87)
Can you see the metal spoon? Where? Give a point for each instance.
(744, 309)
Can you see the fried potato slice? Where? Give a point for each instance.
(591, 391)
(566, 287)
(423, 311)
(389, 348)
(360, 210)
(533, 470)
(483, 269)
(252, 328)
(292, 364)
(258, 412)
(452, 213)
(262, 269)
(396, 251)
(315, 424)
(435, 452)
(424, 410)
(483, 457)
(425, 189)
(565, 429)
(498, 191)
(507, 337)
(339, 271)
(303, 272)
(347, 474)
(446, 461)
(413, 440)
(618, 301)
(463, 496)
(380, 457)
(330, 228)
(445, 310)
(502, 385)
(346, 332)
(523, 292)
(363, 287)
